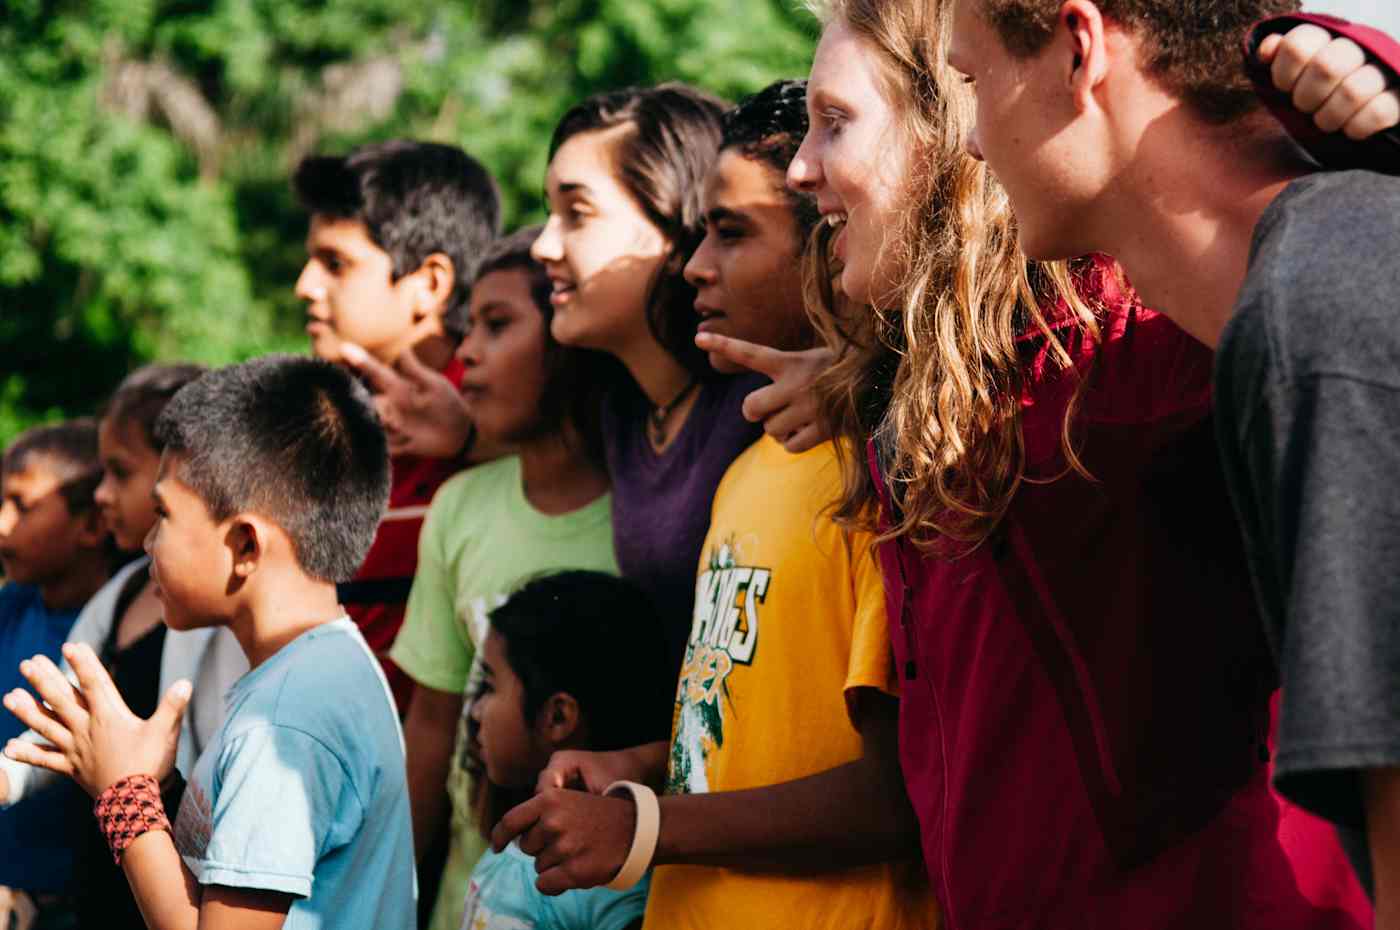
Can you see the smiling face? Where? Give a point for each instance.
(129, 467)
(600, 250)
(503, 352)
(39, 535)
(853, 160)
(350, 293)
(190, 563)
(510, 747)
(746, 270)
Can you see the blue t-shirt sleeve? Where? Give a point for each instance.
(593, 909)
(281, 802)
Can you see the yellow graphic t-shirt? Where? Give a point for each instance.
(789, 618)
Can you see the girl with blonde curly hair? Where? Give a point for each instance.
(1085, 701)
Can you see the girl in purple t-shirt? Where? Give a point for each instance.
(624, 187)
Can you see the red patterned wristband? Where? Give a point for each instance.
(130, 807)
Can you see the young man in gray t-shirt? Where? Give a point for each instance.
(1145, 141)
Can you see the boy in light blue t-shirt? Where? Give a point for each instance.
(272, 482)
(574, 660)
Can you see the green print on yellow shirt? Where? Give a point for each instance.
(728, 598)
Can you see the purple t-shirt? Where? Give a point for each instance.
(661, 501)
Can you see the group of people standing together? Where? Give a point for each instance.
(950, 491)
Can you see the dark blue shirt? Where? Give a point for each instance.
(37, 834)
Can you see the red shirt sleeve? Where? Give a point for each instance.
(1333, 151)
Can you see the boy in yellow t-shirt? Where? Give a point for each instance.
(784, 804)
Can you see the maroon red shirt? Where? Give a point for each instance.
(375, 599)
(1085, 704)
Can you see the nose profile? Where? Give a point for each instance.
(974, 144)
(308, 286)
(102, 494)
(700, 271)
(546, 247)
(9, 516)
(803, 174)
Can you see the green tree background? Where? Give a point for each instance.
(145, 147)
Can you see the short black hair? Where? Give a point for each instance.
(72, 445)
(576, 380)
(143, 394)
(415, 199)
(600, 639)
(769, 127)
(293, 439)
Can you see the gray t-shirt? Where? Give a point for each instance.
(1307, 381)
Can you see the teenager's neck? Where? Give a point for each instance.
(557, 475)
(280, 610)
(657, 372)
(664, 381)
(88, 571)
(1193, 198)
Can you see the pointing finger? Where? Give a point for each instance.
(382, 379)
(749, 355)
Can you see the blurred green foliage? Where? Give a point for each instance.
(145, 147)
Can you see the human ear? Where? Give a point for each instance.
(1080, 28)
(560, 720)
(245, 540)
(92, 529)
(433, 284)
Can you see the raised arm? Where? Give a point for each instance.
(1333, 85)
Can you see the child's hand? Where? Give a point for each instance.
(788, 406)
(422, 412)
(1330, 79)
(578, 840)
(94, 737)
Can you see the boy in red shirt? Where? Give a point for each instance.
(396, 232)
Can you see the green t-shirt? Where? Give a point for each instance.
(480, 540)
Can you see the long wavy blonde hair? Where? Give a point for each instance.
(936, 376)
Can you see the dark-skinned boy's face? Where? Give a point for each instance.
(39, 535)
(746, 270)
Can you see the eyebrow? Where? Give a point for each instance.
(575, 187)
(493, 305)
(719, 214)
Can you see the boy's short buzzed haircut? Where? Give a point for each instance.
(72, 446)
(769, 127)
(295, 440)
(415, 199)
(1192, 48)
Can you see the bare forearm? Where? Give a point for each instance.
(164, 888)
(428, 763)
(852, 815)
(429, 733)
(651, 759)
(1382, 787)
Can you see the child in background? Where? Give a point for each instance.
(122, 623)
(53, 547)
(546, 509)
(574, 660)
(397, 231)
(274, 477)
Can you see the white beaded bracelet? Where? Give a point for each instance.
(644, 837)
